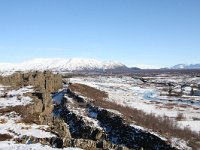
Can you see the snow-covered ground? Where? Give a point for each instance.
(11, 124)
(175, 142)
(15, 97)
(10, 145)
(133, 93)
(1, 90)
(82, 113)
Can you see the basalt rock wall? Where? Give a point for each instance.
(40, 80)
(44, 84)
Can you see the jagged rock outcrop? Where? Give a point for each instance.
(40, 80)
(113, 132)
(121, 133)
(60, 128)
(53, 141)
(44, 84)
(72, 129)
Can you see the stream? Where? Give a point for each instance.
(149, 95)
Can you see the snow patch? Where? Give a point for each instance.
(11, 126)
(10, 145)
(127, 91)
(15, 97)
(180, 144)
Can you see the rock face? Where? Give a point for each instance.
(84, 134)
(40, 80)
(54, 141)
(113, 132)
(121, 133)
(74, 120)
(44, 83)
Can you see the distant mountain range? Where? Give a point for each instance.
(65, 65)
(78, 65)
(184, 66)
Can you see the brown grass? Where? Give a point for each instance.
(196, 119)
(5, 137)
(155, 102)
(3, 121)
(165, 106)
(196, 108)
(184, 106)
(179, 117)
(24, 112)
(88, 91)
(30, 119)
(164, 125)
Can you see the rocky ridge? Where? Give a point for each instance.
(75, 120)
(40, 111)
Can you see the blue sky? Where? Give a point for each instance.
(155, 32)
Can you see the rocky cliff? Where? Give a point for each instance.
(40, 111)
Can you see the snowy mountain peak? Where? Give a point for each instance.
(184, 66)
(61, 64)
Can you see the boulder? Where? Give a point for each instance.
(83, 143)
(60, 128)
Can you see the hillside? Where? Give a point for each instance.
(60, 64)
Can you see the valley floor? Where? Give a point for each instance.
(43, 111)
(151, 95)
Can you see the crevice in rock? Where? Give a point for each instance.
(112, 130)
(75, 120)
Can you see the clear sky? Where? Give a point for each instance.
(155, 32)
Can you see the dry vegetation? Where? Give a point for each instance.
(164, 125)
(180, 117)
(3, 121)
(88, 91)
(24, 112)
(5, 137)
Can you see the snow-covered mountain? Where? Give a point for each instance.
(61, 64)
(184, 66)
